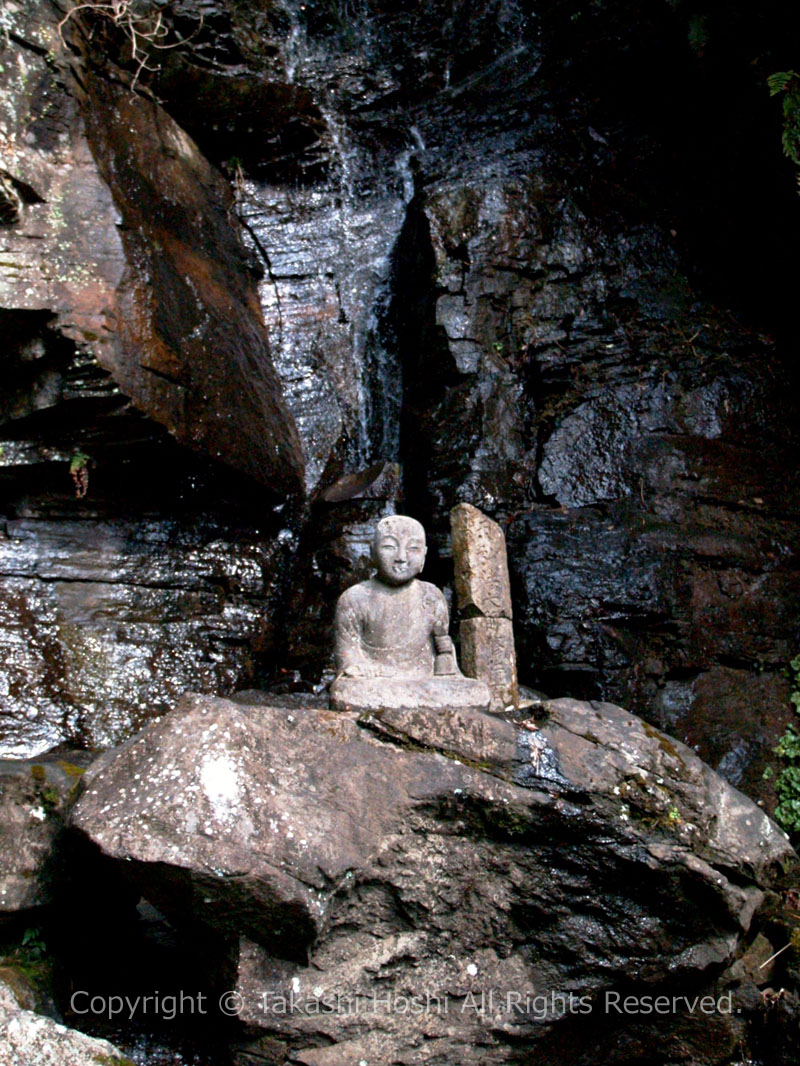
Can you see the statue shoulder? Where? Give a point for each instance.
(355, 595)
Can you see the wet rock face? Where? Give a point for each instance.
(343, 241)
(344, 850)
(632, 441)
(681, 595)
(127, 566)
(106, 623)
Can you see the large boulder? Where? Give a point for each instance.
(403, 885)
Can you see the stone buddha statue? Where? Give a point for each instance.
(392, 645)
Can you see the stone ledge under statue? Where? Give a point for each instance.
(396, 694)
(392, 646)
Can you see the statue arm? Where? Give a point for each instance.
(445, 659)
(348, 647)
(441, 616)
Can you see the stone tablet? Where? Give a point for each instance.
(487, 652)
(392, 645)
(484, 595)
(479, 547)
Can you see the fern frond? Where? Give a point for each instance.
(780, 81)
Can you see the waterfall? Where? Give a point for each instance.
(326, 312)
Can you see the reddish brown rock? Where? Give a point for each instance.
(192, 349)
(119, 226)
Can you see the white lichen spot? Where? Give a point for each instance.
(38, 813)
(221, 785)
(472, 970)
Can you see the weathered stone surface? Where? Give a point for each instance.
(232, 809)
(460, 733)
(487, 652)
(442, 693)
(29, 1039)
(424, 857)
(481, 566)
(34, 799)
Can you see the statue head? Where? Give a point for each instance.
(398, 549)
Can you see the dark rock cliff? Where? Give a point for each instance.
(318, 241)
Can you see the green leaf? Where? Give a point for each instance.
(779, 82)
(78, 461)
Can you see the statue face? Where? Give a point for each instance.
(399, 552)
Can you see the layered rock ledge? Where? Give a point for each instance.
(400, 886)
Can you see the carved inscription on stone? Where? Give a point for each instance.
(479, 547)
(484, 595)
(487, 652)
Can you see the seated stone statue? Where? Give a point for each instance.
(392, 644)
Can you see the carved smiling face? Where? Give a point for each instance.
(399, 549)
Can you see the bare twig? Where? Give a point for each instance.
(144, 31)
(780, 951)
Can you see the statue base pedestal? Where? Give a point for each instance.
(397, 694)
